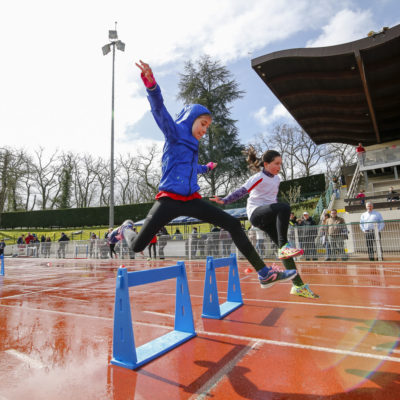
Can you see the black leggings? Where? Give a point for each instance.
(165, 209)
(273, 219)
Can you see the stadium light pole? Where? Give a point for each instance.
(114, 42)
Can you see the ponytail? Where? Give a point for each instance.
(256, 163)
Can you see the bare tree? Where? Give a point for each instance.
(128, 179)
(103, 180)
(149, 173)
(45, 175)
(339, 155)
(300, 155)
(84, 178)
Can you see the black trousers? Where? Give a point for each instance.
(273, 219)
(165, 209)
(370, 239)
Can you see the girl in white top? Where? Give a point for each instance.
(265, 213)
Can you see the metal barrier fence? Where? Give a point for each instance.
(319, 242)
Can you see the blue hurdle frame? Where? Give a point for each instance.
(211, 306)
(125, 354)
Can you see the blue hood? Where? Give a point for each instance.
(189, 114)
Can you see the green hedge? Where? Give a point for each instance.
(314, 184)
(99, 216)
(73, 217)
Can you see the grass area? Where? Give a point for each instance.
(11, 236)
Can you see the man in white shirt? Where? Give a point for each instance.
(368, 222)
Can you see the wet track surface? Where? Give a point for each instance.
(56, 328)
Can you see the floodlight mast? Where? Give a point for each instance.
(113, 36)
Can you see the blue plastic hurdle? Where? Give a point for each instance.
(211, 306)
(2, 265)
(125, 354)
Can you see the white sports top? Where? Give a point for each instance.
(262, 190)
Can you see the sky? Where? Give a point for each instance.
(55, 83)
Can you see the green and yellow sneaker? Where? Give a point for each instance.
(303, 291)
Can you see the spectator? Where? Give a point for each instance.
(46, 247)
(371, 222)
(177, 235)
(213, 242)
(292, 219)
(392, 195)
(21, 239)
(62, 243)
(42, 241)
(226, 240)
(29, 238)
(163, 237)
(194, 242)
(337, 234)
(2, 246)
(308, 234)
(361, 196)
(93, 238)
(323, 236)
(112, 241)
(336, 187)
(361, 154)
(153, 245)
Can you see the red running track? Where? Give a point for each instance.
(56, 335)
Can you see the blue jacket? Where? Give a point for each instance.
(180, 155)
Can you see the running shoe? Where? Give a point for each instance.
(268, 276)
(287, 251)
(128, 224)
(303, 291)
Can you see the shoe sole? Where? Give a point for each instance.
(306, 297)
(299, 253)
(269, 284)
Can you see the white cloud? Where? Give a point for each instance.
(345, 26)
(279, 112)
(56, 84)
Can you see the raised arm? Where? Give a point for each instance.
(158, 109)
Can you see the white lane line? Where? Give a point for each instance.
(300, 303)
(254, 282)
(307, 347)
(160, 313)
(27, 293)
(25, 358)
(377, 348)
(58, 312)
(285, 344)
(69, 298)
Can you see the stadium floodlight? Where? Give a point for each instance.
(106, 49)
(113, 36)
(120, 45)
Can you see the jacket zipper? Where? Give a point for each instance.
(190, 178)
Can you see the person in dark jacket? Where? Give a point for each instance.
(2, 246)
(178, 190)
(62, 243)
(308, 233)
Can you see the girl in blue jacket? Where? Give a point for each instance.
(178, 190)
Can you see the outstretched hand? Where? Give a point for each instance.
(146, 74)
(217, 199)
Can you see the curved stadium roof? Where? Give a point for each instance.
(348, 93)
